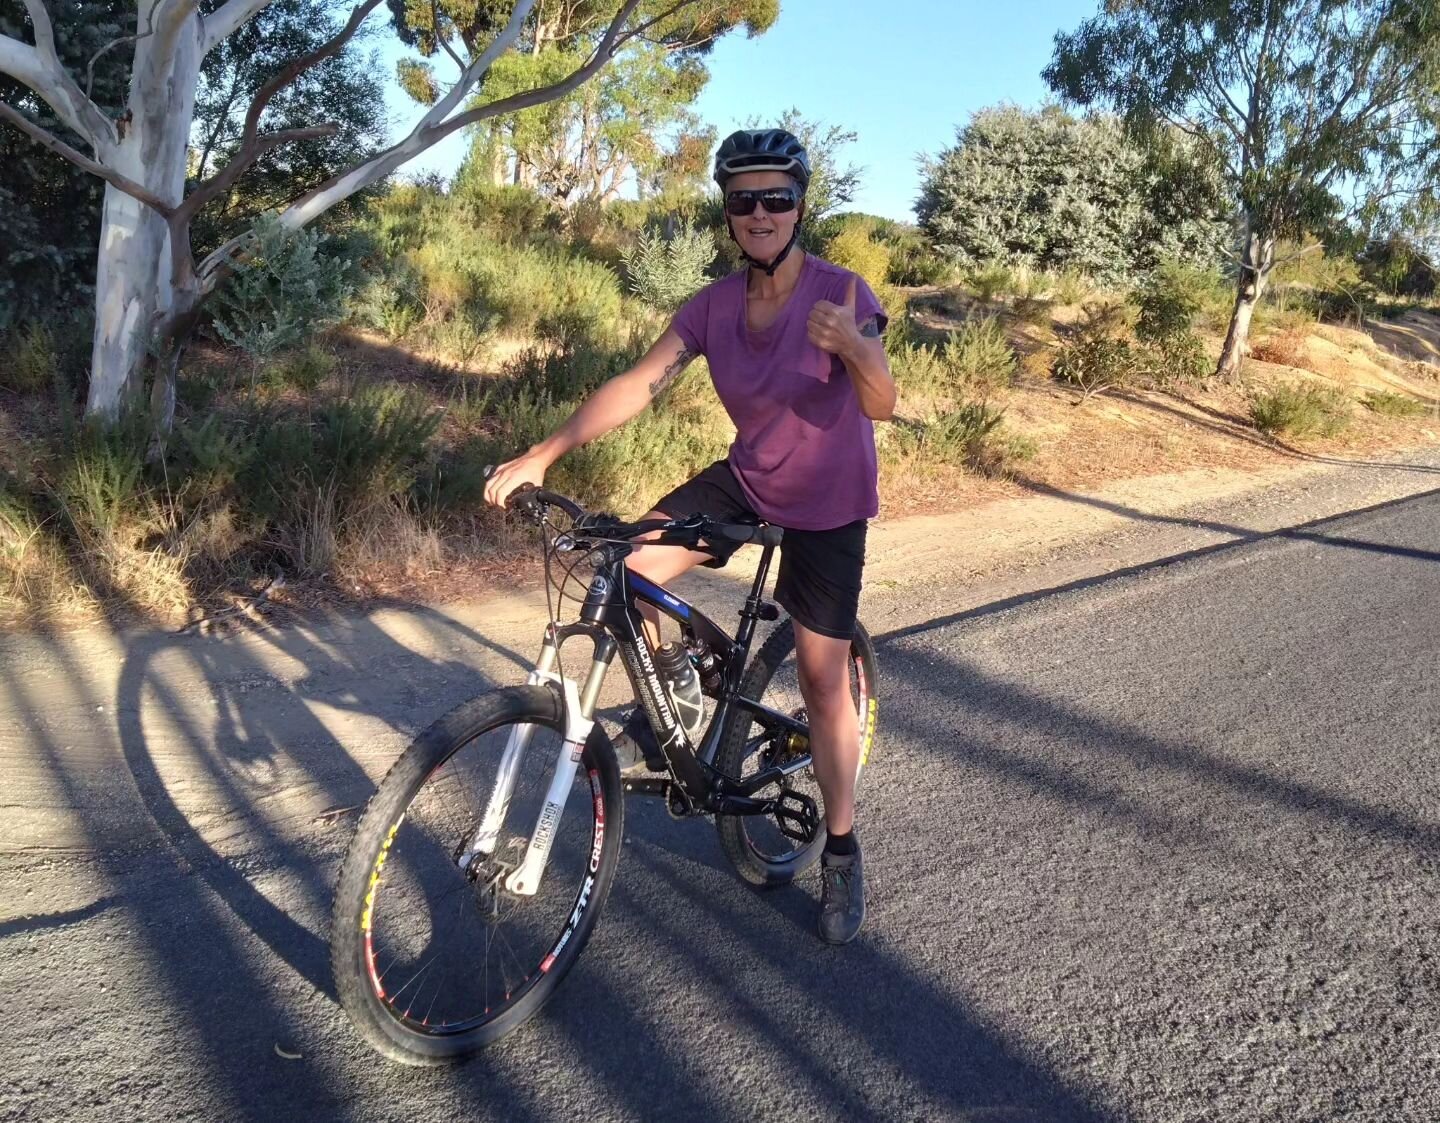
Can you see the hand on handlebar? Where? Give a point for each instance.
(514, 474)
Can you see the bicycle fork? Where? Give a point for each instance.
(579, 720)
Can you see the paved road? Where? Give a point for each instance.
(1157, 847)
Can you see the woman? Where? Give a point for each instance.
(793, 346)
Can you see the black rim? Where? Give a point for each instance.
(436, 936)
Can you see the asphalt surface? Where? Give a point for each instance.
(1156, 846)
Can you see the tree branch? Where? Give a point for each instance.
(251, 146)
(110, 46)
(298, 67)
(39, 67)
(220, 24)
(444, 40)
(541, 94)
(80, 160)
(419, 138)
(167, 18)
(225, 178)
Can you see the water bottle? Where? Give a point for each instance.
(682, 684)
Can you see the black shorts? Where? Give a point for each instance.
(819, 580)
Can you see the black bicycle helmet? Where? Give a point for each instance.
(762, 150)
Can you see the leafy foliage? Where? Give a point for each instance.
(914, 262)
(1169, 303)
(979, 355)
(1300, 409)
(1398, 266)
(666, 272)
(1315, 110)
(585, 144)
(854, 247)
(285, 291)
(51, 208)
(1387, 403)
(30, 361)
(1044, 190)
(345, 88)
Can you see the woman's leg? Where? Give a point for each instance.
(661, 564)
(824, 668)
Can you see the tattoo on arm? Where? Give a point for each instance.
(870, 327)
(672, 372)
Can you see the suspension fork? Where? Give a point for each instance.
(488, 834)
(579, 720)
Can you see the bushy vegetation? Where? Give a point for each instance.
(1169, 302)
(287, 289)
(665, 272)
(1387, 403)
(1300, 409)
(1049, 191)
(854, 246)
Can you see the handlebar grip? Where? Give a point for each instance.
(744, 532)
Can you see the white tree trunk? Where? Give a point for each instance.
(1257, 258)
(135, 285)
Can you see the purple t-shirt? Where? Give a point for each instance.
(804, 453)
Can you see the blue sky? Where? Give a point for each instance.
(902, 75)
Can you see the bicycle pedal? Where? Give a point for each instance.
(797, 816)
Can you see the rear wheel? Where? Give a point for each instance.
(434, 956)
(760, 851)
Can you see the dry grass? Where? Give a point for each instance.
(1285, 348)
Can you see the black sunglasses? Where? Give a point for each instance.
(775, 200)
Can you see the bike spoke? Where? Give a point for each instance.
(442, 987)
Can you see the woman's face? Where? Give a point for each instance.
(762, 235)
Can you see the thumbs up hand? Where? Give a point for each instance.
(832, 327)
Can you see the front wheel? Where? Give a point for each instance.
(761, 853)
(434, 955)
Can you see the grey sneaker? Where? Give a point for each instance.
(842, 897)
(637, 745)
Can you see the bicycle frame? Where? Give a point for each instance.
(615, 625)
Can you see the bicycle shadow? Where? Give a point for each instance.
(258, 748)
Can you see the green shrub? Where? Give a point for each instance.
(571, 370)
(991, 281)
(453, 480)
(978, 354)
(393, 302)
(852, 247)
(1300, 409)
(356, 449)
(970, 435)
(285, 290)
(101, 484)
(303, 369)
(666, 272)
(630, 468)
(914, 262)
(203, 462)
(1071, 286)
(30, 360)
(1387, 403)
(919, 371)
(1096, 364)
(506, 211)
(1168, 304)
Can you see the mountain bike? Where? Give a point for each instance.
(482, 862)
